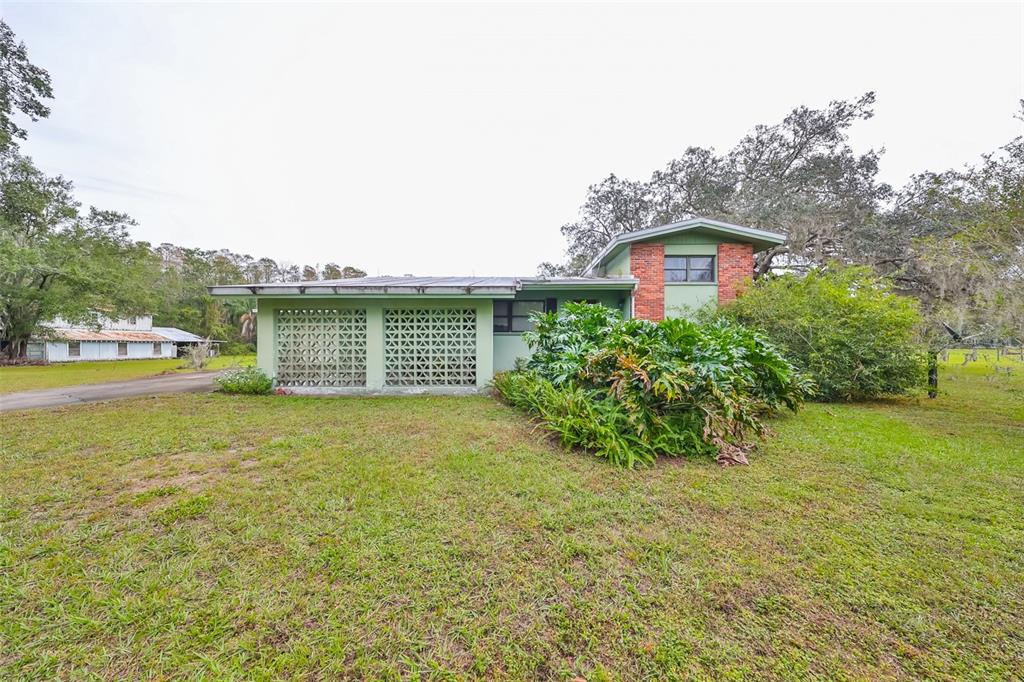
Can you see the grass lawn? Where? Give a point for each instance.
(29, 378)
(210, 536)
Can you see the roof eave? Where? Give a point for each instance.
(362, 292)
(595, 283)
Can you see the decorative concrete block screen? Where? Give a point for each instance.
(430, 347)
(321, 347)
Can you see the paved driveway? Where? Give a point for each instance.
(87, 393)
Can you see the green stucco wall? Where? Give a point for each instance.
(374, 307)
(682, 300)
(508, 346)
(619, 265)
(691, 237)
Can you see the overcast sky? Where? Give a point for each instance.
(456, 139)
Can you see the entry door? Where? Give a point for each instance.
(430, 347)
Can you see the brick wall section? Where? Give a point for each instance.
(647, 264)
(735, 266)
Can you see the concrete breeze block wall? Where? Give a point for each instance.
(647, 264)
(735, 265)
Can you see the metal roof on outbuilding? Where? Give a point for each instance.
(108, 335)
(177, 335)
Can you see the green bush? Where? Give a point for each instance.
(632, 391)
(247, 380)
(846, 328)
(237, 348)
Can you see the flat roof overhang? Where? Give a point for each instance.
(400, 291)
(582, 283)
(363, 292)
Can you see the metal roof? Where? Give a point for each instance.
(410, 281)
(413, 286)
(762, 239)
(108, 335)
(177, 335)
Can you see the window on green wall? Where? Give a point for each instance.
(689, 268)
(514, 316)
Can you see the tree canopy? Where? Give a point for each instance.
(799, 177)
(953, 239)
(23, 87)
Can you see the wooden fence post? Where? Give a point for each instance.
(933, 375)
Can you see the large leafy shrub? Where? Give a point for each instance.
(246, 380)
(845, 327)
(632, 391)
(562, 341)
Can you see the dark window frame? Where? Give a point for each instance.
(77, 352)
(158, 348)
(121, 344)
(686, 269)
(509, 317)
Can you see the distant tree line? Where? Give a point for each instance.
(183, 274)
(954, 240)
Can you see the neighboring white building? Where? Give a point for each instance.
(130, 339)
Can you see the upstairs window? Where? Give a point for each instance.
(74, 349)
(514, 316)
(689, 268)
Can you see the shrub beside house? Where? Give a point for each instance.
(845, 327)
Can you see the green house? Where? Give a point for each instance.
(451, 334)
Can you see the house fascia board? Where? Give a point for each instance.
(402, 291)
(364, 292)
(596, 284)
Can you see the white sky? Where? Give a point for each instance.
(456, 139)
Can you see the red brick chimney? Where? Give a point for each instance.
(647, 264)
(735, 265)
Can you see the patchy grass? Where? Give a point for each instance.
(214, 536)
(29, 378)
